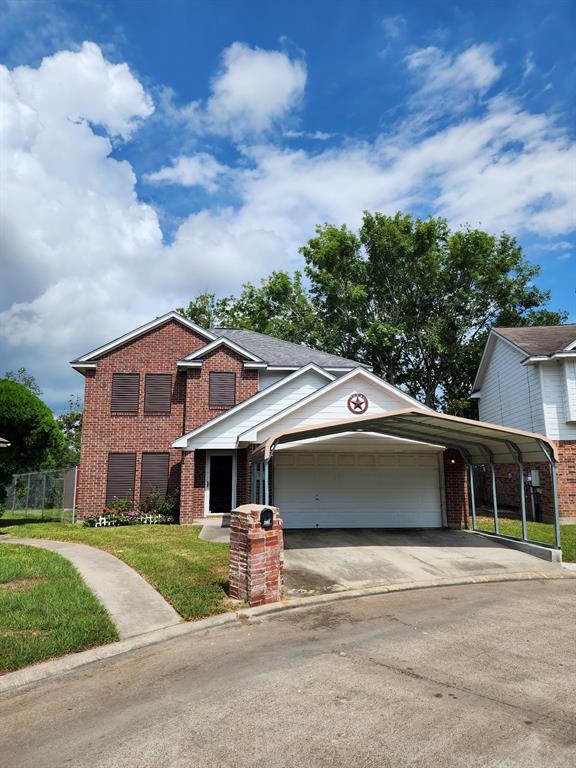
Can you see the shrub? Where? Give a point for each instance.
(152, 511)
(156, 504)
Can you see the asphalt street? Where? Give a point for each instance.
(480, 675)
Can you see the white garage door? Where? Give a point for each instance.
(362, 490)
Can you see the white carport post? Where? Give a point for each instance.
(494, 498)
(472, 498)
(522, 501)
(266, 482)
(554, 477)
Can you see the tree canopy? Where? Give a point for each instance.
(407, 296)
(31, 429)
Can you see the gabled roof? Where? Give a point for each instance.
(280, 353)
(540, 340)
(140, 331)
(258, 349)
(537, 343)
(182, 442)
(323, 390)
(203, 351)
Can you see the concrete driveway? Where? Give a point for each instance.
(321, 561)
(477, 676)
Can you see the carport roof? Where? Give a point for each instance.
(478, 441)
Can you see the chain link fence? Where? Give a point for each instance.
(46, 495)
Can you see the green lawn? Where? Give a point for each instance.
(539, 532)
(191, 574)
(46, 610)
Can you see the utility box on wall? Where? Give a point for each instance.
(256, 554)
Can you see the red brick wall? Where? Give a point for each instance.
(567, 479)
(508, 485)
(456, 489)
(104, 432)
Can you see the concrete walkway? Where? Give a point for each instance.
(135, 606)
(216, 529)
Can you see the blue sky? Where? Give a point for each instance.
(157, 149)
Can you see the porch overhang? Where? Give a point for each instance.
(477, 441)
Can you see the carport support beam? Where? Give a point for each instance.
(494, 499)
(522, 501)
(472, 499)
(267, 481)
(555, 502)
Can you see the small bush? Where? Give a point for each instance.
(153, 510)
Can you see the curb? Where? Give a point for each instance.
(47, 670)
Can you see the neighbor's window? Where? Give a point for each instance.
(155, 468)
(125, 391)
(157, 393)
(121, 476)
(222, 390)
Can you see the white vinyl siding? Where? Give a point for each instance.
(511, 393)
(332, 406)
(266, 379)
(358, 489)
(555, 396)
(570, 389)
(225, 433)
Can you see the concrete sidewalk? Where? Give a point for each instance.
(135, 606)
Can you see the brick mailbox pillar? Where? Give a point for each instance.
(256, 556)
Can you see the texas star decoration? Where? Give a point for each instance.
(357, 403)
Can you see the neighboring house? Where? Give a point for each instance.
(176, 407)
(527, 380)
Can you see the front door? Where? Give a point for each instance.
(220, 484)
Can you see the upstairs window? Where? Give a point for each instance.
(155, 468)
(121, 476)
(222, 390)
(125, 392)
(157, 393)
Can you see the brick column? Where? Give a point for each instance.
(192, 486)
(256, 556)
(456, 489)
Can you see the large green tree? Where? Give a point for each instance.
(31, 429)
(407, 296)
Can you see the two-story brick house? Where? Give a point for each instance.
(172, 406)
(527, 380)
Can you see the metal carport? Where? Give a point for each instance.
(479, 443)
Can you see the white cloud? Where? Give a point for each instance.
(201, 170)
(394, 26)
(253, 91)
(438, 70)
(562, 245)
(83, 258)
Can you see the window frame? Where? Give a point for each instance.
(221, 406)
(124, 411)
(154, 412)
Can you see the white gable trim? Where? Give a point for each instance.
(218, 343)
(141, 331)
(182, 442)
(250, 435)
(487, 354)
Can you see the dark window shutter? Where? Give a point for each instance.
(125, 389)
(222, 390)
(157, 393)
(155, 467)
(121, 476)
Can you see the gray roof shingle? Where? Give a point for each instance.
(282, 353)
(540, 339)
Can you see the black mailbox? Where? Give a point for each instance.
(267, 519)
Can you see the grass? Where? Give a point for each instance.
(537, 532)
(46, 610)
(190, 573)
